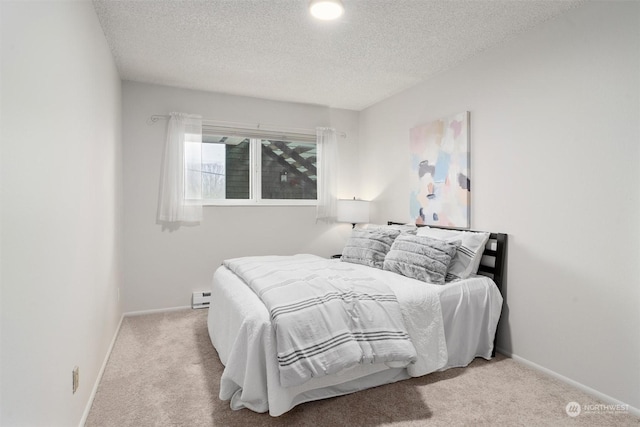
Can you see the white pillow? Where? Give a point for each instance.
(468, 256)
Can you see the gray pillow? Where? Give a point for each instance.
(421, 258)
(467, 259)
(369, 246)
(404, 228)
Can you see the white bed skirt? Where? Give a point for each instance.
(240, 330)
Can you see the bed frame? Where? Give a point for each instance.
(493, 259)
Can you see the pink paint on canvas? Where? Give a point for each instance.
(440, 181)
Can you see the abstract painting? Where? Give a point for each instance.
(440, 183)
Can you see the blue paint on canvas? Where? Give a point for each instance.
(442, 167)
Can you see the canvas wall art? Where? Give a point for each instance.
(440, 182)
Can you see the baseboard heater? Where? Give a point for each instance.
(201, 300)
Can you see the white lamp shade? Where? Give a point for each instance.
(353, 211)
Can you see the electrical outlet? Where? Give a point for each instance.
(76, 379)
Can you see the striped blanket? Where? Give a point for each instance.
(327, 316)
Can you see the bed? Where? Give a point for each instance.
(449, 324)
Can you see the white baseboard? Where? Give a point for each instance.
(588, 390)
(158, 310)
(92, 396)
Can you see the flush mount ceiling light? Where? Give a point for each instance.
(326, 9)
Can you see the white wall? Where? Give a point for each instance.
(163, 267)
(61, 209)
(555, 164)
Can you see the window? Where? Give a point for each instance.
(244, 169)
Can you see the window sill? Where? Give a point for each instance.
(261, 203)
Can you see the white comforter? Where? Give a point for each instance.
(327, 316)
(241, 331)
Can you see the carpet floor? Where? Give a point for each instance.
(163, 371)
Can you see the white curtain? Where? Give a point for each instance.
(180, 198)
(327, 150)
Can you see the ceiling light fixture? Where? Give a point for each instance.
(326, 9)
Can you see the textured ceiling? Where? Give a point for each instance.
(273, 49)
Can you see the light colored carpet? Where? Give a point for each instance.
(163, 371)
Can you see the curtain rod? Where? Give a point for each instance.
(154, 118)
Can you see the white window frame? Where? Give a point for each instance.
(255, 168)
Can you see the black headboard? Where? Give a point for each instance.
(493, 257)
